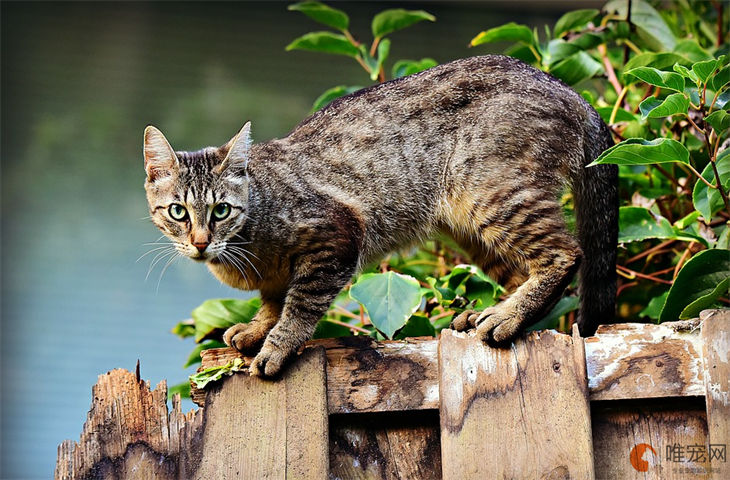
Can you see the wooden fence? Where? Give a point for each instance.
(634, 401)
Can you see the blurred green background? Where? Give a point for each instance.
(80, 81)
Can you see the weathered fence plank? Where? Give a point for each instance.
(634, 360)
(716, 343)
(128, 433)
(650, 441)
(519, 412)
(624, 361)
(387, 446)
(258, 428)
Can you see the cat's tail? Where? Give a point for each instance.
(595, 192)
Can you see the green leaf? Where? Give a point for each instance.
(383, 52)
(319, 12)
(690, 49)
(687, 220)
(656, 60)
(510, 32)
(577, 68)
(653, 76)
(720, 121)
(650, 26)
(703, 70)
(703, 279)
(213, 374)
(564, 306)
(389, 298)
(182, 388)
(638, 151)
(218, 314)
(325, 42)
(416, 326)
(638, 223)
(672, 105)
(389, 21)
(194, 356)
(621, 114)
(559, 49)
(685, 72)
(706, 200)
(721, 79)
(654, 308)
(331, 94)
(574, 20)
(184, 329)
(409, 67)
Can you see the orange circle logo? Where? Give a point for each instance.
(637, 457)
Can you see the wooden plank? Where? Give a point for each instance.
(519, 412)
(368, 376)
(650, 440)
(623, 361)
(128, 433)
(392, 446)
(364, 375)
(634, 360)
(716, 343)
(257, 428)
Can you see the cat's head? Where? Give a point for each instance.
(198, 199)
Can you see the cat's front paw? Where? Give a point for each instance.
(269, 361)
(498, 327)
(465, 320)
(244, 337)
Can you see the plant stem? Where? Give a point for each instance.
(350, 38)
(443, 314)
(633, 47)
(346, 312)
(374, 46)
(631, 274)
(619, 100)
(609, 68)
(362, 64)
(649, 251)
(719, 186)
(681, 261)
(699, 175)
(351, 327)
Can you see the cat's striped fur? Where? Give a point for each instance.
(479, 148)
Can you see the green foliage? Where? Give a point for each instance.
(666, 102)
(388, 298)
(372, 59)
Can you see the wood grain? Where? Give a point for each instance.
(621, 427)
(519, 412)
(257, 428)
(128, 433)
(634, 360)
(392, 446)
(716, 350)
(623, 361)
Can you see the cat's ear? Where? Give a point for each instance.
(238, 149)
(159, 157)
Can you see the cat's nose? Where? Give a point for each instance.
(201, 246)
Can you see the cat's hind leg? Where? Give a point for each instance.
(532, 233)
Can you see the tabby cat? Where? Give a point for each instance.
(479, 148)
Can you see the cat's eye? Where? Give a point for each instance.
(178, 212)
(221, 211)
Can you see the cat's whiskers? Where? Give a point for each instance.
(243, 253)
(169, 262)
(159, 257)
(165, 246)
(228, 259)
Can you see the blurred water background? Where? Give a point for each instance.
(80, 81)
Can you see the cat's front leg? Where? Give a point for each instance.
(319, 277)
(247, 338)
